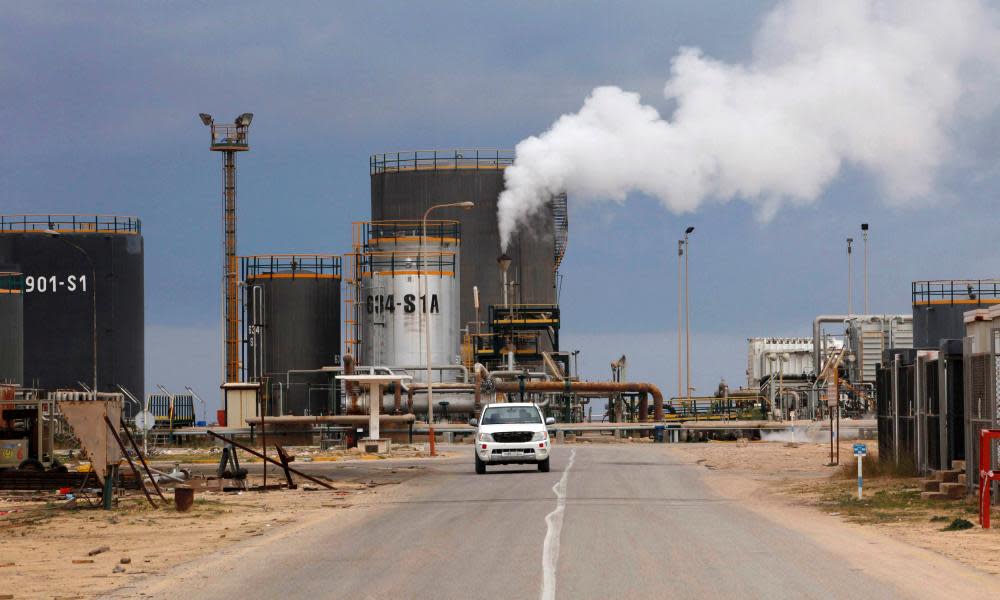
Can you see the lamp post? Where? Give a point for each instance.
(93, 296)
(504, 262)
(687, 312)
(426, 317)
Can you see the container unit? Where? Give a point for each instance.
(393, 297)
(72, 263)
(292, 329)
(405, 184)
(11, 327)
(939, 306)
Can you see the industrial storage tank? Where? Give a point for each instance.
(291, 327)
(392, 297)
(939, 306)
(11, 327)
(72, 265)
(405, 184)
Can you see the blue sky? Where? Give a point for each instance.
(98, 113)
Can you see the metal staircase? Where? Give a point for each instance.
(560, 222)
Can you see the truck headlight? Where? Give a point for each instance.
(540, 436)
(485, 437)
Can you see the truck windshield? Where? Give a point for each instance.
(510, 415)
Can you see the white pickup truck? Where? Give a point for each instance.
(512, 433)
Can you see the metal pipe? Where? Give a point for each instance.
(519, 374)
(397, 397)
(352, 394)
(570, 387)
(343, 419)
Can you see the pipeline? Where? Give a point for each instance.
(397, 397)
(570, 387)
(352, 392)
(341, 419)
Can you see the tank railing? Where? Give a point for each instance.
(74, 223)
(961, 291)
(433, 160)
(393, 231)
(434, 262)
(304, 265)
(11, 282)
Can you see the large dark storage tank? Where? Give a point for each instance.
(939, 306)
(100, 255)
(292, 323)
(11, 327)
(405, 184)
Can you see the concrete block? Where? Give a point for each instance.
(963, 479)
(931, 485)
(934, 496)
(375, 446)
(958, 465)
(954, 491)
(946, 476)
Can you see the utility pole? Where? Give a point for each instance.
(687, 312)
(680, 318)
(230, 139)
(864, 236)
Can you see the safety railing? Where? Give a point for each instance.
(408, 263)
(70, 223)
(955, 291)
(296, 266)
(381, 233)
(432, 160)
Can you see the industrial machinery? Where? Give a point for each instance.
(939, 306)
(405, 184)
(11, 328)
(83, 287)
(291, 328)
(26, 431)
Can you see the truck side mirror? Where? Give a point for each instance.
(550, 421)
(472, 422)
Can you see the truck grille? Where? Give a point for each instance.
(513, 437)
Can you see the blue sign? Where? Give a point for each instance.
(860, 450)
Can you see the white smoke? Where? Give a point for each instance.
(877, 84)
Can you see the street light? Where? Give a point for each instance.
(93, 291)
(864, 234)
(687, 311)
(206, 119)
(680, 319)
(425, 314)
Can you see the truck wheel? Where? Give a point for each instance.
(544, 466)
(480, 466)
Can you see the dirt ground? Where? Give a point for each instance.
(795, 474)
(46, 545)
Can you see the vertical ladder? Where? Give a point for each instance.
(560, 222)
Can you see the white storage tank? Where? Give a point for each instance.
(392, 298)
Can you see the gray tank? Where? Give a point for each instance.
(939, 307)
(292, 323)
(11, 327)
(91, 256)
(405, 184)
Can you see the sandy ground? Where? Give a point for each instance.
(45, 546)
(791, 476)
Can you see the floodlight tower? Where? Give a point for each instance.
(230, 139)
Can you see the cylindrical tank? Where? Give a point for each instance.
(11, 327)
(939, 307)
(292, 325)
(405, 184)
(72, 264)
(393, 271)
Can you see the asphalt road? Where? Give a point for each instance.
(634, 522)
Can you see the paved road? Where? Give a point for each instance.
(634, 522)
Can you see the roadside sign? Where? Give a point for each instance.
(860, 450)
(145, 421)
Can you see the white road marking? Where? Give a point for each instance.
(554, 521)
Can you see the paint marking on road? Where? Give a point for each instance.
(554, 521)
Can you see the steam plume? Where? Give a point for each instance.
(876, 84)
